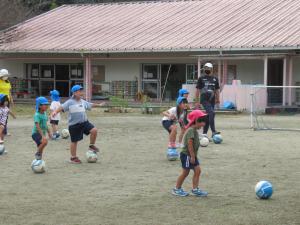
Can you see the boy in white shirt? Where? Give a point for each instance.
(54, 120)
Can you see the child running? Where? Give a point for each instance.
(40, 126)
(183, 116)
(4, 112)
(188, 155)
(170, 118)
(78, 121)
(55, 104)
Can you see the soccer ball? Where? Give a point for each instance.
(172, 154)
(65, 133)
(91, 156)
(204, 141)
(38, 166)
(2, 149)
(263, 189)
(217, 138)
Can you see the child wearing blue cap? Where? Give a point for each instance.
(170, 118)
(78, 121)
(54, 120)
(40, 126)
(4, 111)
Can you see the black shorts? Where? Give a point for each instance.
(185, 162)
(77, 130)
(167, 124)
(54, 122)
(37, 138)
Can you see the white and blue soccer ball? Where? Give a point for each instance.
(172, 154)
(263, 189)
(204, 141)
(2, 149)
(217, 138)
(91, 156)
(38, 166)
(65, 133)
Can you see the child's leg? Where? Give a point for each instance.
(93, 135)
(54, 128)
(73, 148)
(196, 177)
(43, 144)
(181, 178)
(181, 134)
(173, 133)
(2, 134)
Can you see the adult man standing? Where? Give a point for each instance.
(209, 89)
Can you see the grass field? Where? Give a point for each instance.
(131, 182)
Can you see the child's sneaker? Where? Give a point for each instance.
(198, 192)
(75, 160)
(57, 135)
(179, 192)
(214, 133)
(38, 156)
(93, 148)
(53, 136)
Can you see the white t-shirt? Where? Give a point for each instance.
(54, 106)
(171, 111)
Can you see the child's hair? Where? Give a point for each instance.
(200, 120)
(178, 109)
(3, 100)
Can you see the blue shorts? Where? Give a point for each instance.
(185, 161)
(54, 122)
(167, 124)
(37, 138)
(77, 130)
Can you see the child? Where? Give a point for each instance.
(188, 155)
(78, 121)
(170, 118)
(4, 111)
(183, 117)
(40, 126)
(55, 104)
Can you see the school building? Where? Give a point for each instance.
(156, 47)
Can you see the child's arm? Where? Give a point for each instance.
(191, 150)
(95, 105)
(39, 129)
(49, 133)
(169, 115)
(12, 114)
(55, 112)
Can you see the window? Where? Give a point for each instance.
(62, 72)
(77, 71)
(191, 73)
(47, 71)
(32, 70)
(150, 72)
(42, 78)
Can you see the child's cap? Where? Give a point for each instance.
(40, 101)
(54, 95)
(76, 87)
(182, 92)
(2, 96)
(180, 100)
(4, 73)
(193, 116)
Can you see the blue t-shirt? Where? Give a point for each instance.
(77, 110)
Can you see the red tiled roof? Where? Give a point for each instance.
(159, 26)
